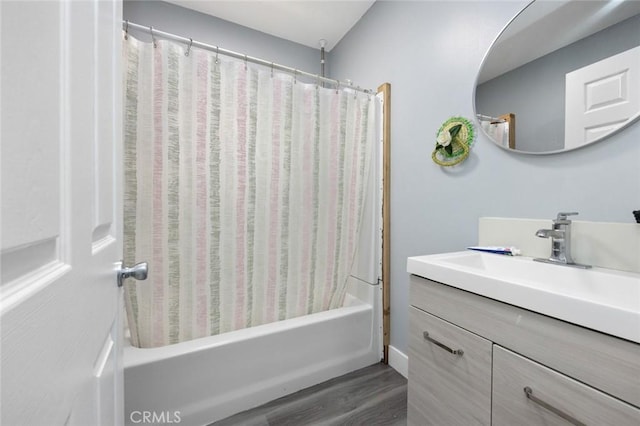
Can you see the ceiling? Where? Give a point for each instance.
(301, 21)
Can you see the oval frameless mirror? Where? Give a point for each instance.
(561, 75)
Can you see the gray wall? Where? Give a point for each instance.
(208, 29)
(535, 92)
(431, 52)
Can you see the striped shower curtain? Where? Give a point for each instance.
(244, 191)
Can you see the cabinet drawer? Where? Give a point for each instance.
(447, 388)
(511, 406)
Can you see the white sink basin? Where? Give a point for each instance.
(597, 298)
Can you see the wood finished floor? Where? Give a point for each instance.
(375, 395)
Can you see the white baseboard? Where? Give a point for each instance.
(399, 361)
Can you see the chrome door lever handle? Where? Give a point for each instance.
(137, 272)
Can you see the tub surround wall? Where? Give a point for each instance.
(607, 245)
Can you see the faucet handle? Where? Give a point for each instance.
(562, 216)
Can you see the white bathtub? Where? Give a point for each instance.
(205, 380)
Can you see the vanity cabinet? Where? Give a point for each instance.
(574, 375)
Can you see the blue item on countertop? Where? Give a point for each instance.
(509, 251)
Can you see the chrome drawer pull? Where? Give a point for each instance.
(554, 410)
(458, 352)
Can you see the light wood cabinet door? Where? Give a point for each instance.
(555, 399)
(447, 388)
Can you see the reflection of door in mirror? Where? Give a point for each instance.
(601, 98)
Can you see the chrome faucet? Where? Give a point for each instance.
(560, 234)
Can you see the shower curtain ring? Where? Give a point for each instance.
(217, 52)
(153, 39)
(189, 47)
(337, 86)
(317, 81)
(295, 76)
(245, 62)
(271, 69)
(126, 30)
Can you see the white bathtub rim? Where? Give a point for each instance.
(134, 356)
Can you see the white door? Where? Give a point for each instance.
(601, 97)
(61, 219)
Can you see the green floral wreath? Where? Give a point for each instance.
(453, 142)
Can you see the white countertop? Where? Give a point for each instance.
(600, 299)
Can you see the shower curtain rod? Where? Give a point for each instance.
(193, 43)
(493, 120)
